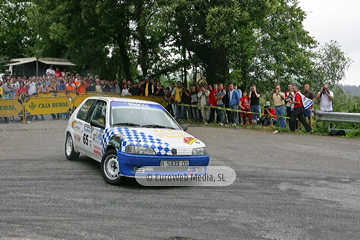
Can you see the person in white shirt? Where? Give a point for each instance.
(50, 72)
(31, 85)
(125, 91)
(326, 99)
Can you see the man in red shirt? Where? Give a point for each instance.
(298, 112)
(212, 102)
(58, 74)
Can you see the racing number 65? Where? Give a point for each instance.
(86, 139)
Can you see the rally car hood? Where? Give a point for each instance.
(163, 141)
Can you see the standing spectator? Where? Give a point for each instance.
(123, 84)
(212, 102)
(289, 95)
(70, 87)
(91, 86)
(326, 99)
(245, 107)
(148, 87)
(50, 72)
(159, 90)
(7, 74)
(169, 100)
(125, 91)
(240, 95)
(194, 103)
(309, 94)
(31, 85)
(203, 96)
(112, 86)
(117, 86)
(185, 100)
(234, 100)
(135, 90)
(58, 74)
(255, 103)
(219, 96)
(98, 87)
(278, 97)
(106, 86)
(298, 112)
(176, 93)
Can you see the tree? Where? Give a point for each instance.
(331, 64)
(16, 37)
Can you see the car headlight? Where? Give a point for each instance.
(199, 151)
(139, 150)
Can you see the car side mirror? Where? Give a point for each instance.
(184, 127)
(96, 123)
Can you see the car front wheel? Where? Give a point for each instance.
(110, 168)
(69, 148)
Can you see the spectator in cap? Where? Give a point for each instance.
(269, 115)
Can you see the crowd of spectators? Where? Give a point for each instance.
(201, 102)
(207, 103)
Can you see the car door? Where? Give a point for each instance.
(94, 139)
(80, 131)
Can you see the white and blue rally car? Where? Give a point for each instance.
(129, 136)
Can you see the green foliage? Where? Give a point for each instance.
(16, 37)
(260, 42)
(330, 65)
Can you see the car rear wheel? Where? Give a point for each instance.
(69, 148)
(110, 169)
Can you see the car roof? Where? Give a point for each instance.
(118, 99)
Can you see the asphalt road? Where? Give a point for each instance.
(287, 187)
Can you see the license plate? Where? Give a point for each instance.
(174, 163)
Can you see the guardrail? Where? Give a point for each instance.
(337, 117)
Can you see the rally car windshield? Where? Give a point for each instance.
(144, 115)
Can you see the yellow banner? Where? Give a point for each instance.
(48, 105)
(10, 107)
(79, 99)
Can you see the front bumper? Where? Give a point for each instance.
(129, 162)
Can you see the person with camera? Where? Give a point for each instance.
(203, 96)
(269, 115)
(278, 98)
(298, 112)
(254, 97)
(326, 99)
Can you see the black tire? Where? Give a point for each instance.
(69, 148)
(110, 169)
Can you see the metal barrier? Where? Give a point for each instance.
(337, 117)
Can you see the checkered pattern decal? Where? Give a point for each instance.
(134, 137)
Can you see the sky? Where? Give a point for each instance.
(336, 20)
